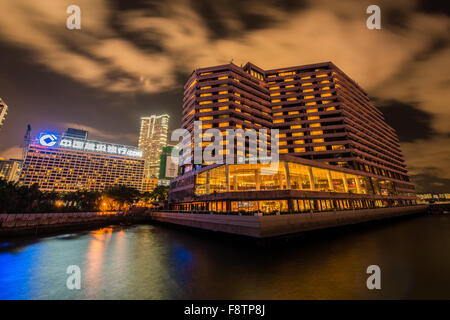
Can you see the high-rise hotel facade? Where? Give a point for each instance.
(330, 136)
(71, 162)
(152, 139)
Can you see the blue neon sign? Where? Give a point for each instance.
(48, 139)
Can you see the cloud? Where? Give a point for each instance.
(430, 157)
(99, 56)
(12, 153)
(95, 133)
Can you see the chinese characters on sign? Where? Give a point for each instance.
(99, 147)
(50, 140)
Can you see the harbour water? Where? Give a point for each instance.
(163, 262)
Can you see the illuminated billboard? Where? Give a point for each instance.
(52, 140)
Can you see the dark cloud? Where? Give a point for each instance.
(220, 15)
(436, 46)
(146, 8)
(430, 183)
(124, 5)
(410, 122)
(434, 7)
(394, 17)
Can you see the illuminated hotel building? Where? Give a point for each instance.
(71, 162)
(152, 139)
(3, 111)
(325, 121)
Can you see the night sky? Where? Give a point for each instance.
(131, 59)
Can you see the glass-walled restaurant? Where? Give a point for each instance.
(287, 187)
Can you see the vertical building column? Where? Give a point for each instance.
(228, 205)
(345, 183)
(311, 179)
(358, 186)
(288, 175)
(257, 180)
(227, 177)
(330, 181)
(291, 205)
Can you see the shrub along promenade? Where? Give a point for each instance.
(28, 210)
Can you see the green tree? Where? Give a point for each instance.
(160, 193)
(123, 195)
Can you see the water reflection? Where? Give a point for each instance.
(157, 262)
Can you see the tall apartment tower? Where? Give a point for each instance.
(152, 139)
(320, 112)
(3, 111)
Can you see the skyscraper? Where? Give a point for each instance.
(152, 138)
(3, 111)
(10, 169)
(70, 162)
(320, 112)
(336, 150)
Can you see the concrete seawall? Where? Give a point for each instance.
(38, 223)
(279, 225)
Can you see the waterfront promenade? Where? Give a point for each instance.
(254, 226)
(42, 223)
(267, 226)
